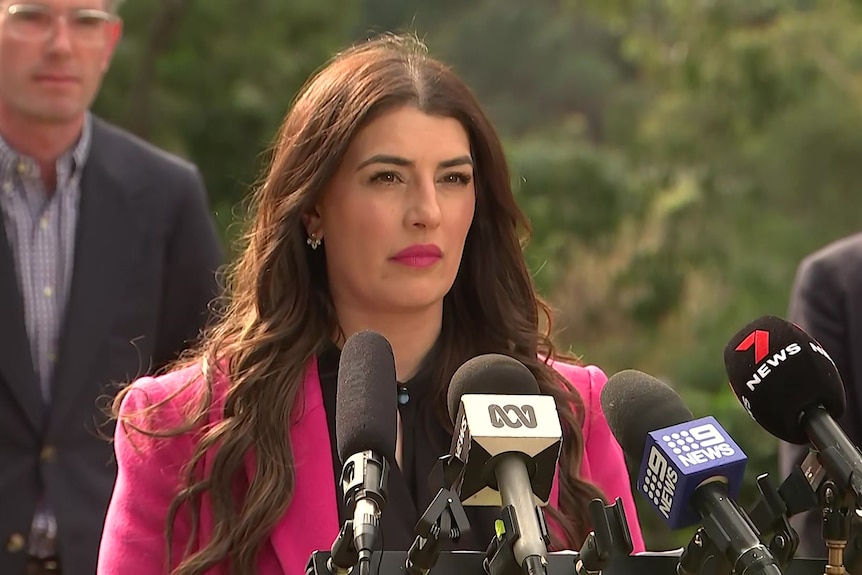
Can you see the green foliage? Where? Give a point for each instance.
(212, 81)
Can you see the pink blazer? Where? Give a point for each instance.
(148, 477)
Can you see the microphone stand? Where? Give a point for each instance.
(837, 502)
(770, 515)
(837, 511)
(610, 534)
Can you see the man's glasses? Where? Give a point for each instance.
(36, 22)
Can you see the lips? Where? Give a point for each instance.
(56, 78)
(419, 255)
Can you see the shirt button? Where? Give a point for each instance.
(7, 187)
(43, 223)
(15, 543)
(22, 167)
(49, 452)
(48, 292)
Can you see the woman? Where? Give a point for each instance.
(387, 206)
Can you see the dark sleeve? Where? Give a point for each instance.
(817, 305)
(193, 257)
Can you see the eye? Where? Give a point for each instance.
(88, 21)
(27, 15)
(458, 178)
(385, 177)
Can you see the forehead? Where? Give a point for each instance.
(408, 131)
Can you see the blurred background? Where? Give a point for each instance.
(677, 158)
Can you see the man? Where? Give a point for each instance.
(826, 302)
(108, 256)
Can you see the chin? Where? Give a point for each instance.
(58, 114)
(414, 298)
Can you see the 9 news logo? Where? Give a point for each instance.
(659, 482)
(679, 458)
(676, 451)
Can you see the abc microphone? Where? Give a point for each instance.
(791, 387)
(365, 433)
(507, 441)
(691, 469)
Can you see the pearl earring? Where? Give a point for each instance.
(313, 241)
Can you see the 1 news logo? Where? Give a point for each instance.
(678, 459)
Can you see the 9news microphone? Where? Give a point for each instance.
(507, 441)
(365, 433)
(791, 387)
(691, 469)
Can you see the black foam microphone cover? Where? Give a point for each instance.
(634, 404)
(366, 398)
(778, 372)
(493, 374)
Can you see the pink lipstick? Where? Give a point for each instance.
(419, 256)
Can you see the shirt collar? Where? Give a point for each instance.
(12, 161)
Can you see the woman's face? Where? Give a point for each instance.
(395, 216)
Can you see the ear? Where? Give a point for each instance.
(114, 33)
(313, 223)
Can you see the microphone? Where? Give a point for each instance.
(691, 469)
(365, 434)
(506, 445)
(790, 386)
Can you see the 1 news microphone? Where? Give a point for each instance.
(507, 442)
(691, 469)
(788, 383)
(365, 433)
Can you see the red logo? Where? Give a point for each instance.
(760, 340)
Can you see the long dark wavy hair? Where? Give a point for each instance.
(279, 314)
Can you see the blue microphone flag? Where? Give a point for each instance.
(680, 458)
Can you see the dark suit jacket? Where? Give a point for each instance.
(827, 303)
(146, 254)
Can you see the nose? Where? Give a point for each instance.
(424, 205)
(61, 36)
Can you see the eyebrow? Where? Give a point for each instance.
(399, 161)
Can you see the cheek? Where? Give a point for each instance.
(96, 61)
(461, 217)
(362, 234)
(13, 62)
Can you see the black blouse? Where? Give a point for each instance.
(411, 489)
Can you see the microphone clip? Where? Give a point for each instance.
(699, 550)
(500, 555)
(772, 512)
(610, 535)
(444, 518)
(343, 556)
(363, 480)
